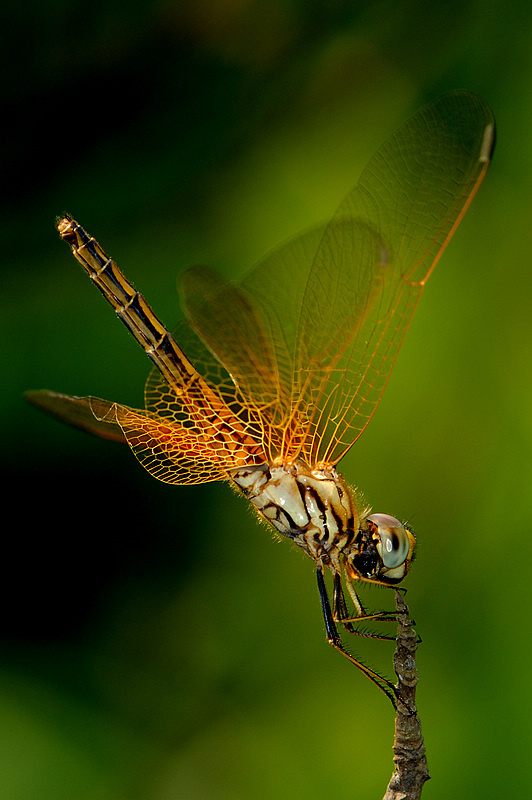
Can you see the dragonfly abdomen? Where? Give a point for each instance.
(129, 305)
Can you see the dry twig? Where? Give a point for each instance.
(411, 770)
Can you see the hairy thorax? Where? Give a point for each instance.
(331, 523)
(314, 507)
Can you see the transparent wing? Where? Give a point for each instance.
(240, 335)
(172, 451)
(170, 446)
(362, 291)
(243, 338)
(312, 334)
(294, 361)
(238, 339)
(193, 429)
(75, 411)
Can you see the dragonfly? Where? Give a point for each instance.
(268, 383)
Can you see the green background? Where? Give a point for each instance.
(156, 642)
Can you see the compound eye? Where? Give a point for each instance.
(394, 540)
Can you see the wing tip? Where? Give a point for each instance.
(488, 144)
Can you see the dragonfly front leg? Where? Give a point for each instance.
(334, 639)
(341, 613)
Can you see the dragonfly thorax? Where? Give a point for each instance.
(321, 514)
(314, 507)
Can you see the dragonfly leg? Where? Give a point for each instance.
(334, 639)
(341, 613)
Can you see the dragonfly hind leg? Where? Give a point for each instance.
(334, 639)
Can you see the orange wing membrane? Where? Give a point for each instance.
(268, 383)
(192, 436)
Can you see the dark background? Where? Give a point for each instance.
(156, 643)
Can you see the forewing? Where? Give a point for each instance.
(242, 337)
(307, 342)
(238, 334)
(373, 262)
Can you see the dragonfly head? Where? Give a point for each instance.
(381, 552)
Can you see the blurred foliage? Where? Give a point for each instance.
(156, 643)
